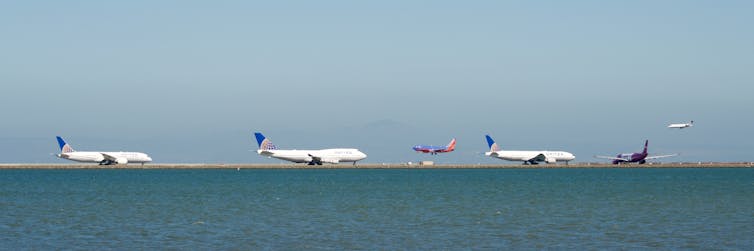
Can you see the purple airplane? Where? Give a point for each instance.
(436, 149)
(641, 157)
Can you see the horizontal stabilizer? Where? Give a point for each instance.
(610, 157)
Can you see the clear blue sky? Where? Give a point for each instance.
(188, 81)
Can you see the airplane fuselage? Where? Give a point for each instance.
(679, 126)
(332, 156)
(98, 157)
(546, 156)
(436, 149)
(631, 157)
(431, 149)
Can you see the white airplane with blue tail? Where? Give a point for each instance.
(528, 157)
(311, 157)
(103, 158)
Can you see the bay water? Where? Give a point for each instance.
(382, 209)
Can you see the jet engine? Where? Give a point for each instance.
(121, 161)
(550, 160)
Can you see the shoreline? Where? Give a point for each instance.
(375, 166)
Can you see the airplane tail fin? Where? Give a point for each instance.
(264, 143)
(452, 145)
(646, 144)
(491, 143)
(64, 147)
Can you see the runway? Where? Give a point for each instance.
(375, 166)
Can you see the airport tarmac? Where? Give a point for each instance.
(374, 166)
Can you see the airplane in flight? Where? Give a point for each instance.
(528, 157)
(682, 125)
(103, 158)
(311, 157)
(641, 157)
(433, 150)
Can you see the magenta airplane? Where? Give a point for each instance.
(641, 157)
(436, 149)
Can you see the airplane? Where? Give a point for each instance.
(528, 157)
(681, 126)
(641, 157)
(311, 157)
(436, 149)
(103, 158)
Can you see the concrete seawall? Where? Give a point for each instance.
(372, 166)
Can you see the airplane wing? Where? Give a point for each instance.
(536, 158)
(109, 157)
(315, 160)
(318, 160)
(610, 157)
(661, 156)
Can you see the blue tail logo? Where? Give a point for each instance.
(491, 143)
(264, 143)
(64, 147)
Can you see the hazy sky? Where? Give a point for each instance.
(189, 81)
